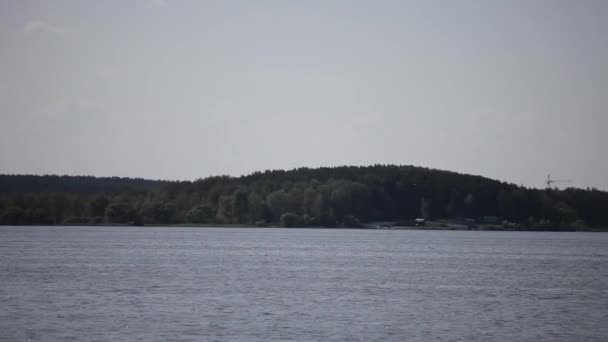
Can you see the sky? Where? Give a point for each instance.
(170, 89)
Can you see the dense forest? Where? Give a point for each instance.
(327, 197)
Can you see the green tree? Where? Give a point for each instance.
(564, 214)
(13, 216)
(290, 220)
(470, 205)
(327, 194)
(161, 212)
(240, 206)
(425, 208)
(225, 211)
(257, 208)
(454, 207)
(61, 206)
(350, 221)
(278, 203)
(120, 211)
(348, 198)
(98, 205)
(78, 207)
(38, 216)
(201, 213)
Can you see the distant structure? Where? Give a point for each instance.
(550, 181)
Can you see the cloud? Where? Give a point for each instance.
(105, 71)
(157, 3)
(42, 27)
(61, 108)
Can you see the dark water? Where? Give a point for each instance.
(203, 284)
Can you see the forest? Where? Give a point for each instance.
(347, 196)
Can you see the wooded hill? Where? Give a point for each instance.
(330, 197)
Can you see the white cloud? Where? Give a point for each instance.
(42, 27)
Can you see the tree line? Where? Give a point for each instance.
(347, 196)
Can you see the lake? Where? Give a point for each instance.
(246, 284)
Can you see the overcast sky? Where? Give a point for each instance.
(167, 89)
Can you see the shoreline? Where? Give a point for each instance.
(428, 228)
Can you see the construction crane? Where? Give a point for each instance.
(550, 181)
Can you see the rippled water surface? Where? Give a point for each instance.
(229, 284)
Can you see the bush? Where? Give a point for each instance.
(510, 225)
(290, 220)
(120, 211)
(13, 216)
(200, 214)
(77, 220)
(350, 221)
(37, 216)
(544, 225)
(261, 223)
(579, 224)
(305, 220)
(138, 220)
(97, 220)
(314, 221)
(405, 223)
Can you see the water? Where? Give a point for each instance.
(220, 284)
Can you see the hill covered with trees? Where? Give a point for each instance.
(73, 184)
(328, 197)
